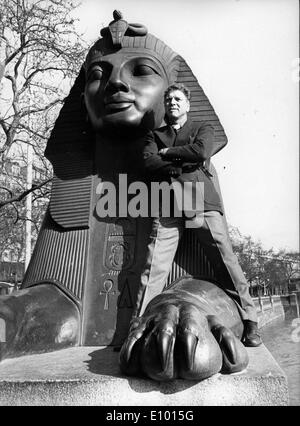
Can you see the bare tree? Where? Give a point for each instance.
(42, 53)
(266, 270)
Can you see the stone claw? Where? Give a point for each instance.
(235, 357)
(128, 348)
(130, 351)
(165, 341)
(190, 341)
(230, 349)
(226, 340)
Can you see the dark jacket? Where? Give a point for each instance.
(189, 148)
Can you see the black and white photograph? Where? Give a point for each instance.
(149, 206)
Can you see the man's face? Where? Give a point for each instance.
(125, 90)
(176, 105)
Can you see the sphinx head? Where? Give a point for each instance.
(127, 72)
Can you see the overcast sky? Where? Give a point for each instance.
(244, 54)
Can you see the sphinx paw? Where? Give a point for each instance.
(235, 357)
(171, 341)
(197, 351)
(149, 346)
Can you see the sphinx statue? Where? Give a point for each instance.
(81, 283)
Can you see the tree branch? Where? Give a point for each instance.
(44, 108)
(39, 70)
(15, 53)
(24, 194)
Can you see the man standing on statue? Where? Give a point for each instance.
(179, 150)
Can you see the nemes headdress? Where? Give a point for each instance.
(69, 147)
(120, 34)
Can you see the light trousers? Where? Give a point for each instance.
(211, 231)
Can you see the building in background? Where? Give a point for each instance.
(13, 180)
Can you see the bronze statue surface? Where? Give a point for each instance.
(80, 286)
(191, 331)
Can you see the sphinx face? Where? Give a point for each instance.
(124, 90)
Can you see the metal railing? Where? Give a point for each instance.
(264, 303)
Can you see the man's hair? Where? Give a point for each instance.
(178, 86)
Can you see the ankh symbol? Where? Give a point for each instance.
(107, 285)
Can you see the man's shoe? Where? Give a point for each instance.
(251, 336)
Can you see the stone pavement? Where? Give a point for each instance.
(90, 376)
